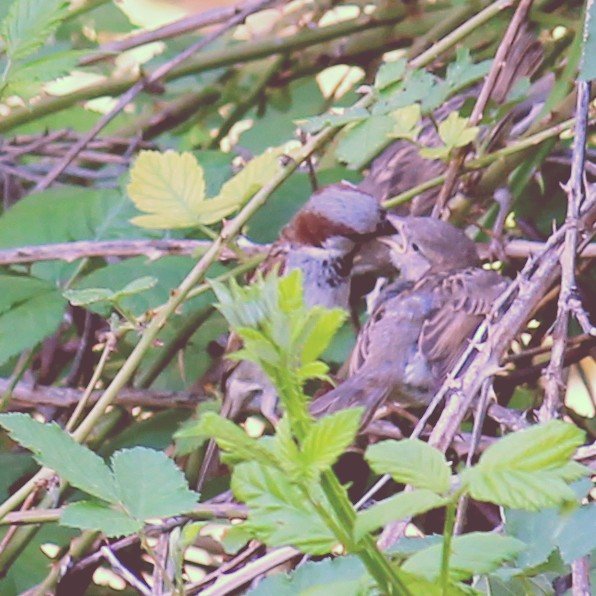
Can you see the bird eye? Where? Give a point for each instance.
(415, 247)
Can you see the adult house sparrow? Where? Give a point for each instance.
(422, 323)
(321, 240)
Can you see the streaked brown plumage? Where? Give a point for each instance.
(422, 324)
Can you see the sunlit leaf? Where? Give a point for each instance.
(455, 132)
(29, 23)
(169, 186)
(241, 187)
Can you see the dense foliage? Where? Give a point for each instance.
(151, 152)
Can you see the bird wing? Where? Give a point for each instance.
(361, 350)
(463, 299)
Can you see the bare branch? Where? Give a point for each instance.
(553, 374)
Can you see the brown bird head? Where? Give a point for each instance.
(423, 245)
(336, 218)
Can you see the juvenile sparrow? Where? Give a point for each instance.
(422, 323)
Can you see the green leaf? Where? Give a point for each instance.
(341, 118)
(365, 140)
(26, 79)
(401, 506)
(344, 575)
(169, 186)
(390, 72)
(56, 449)
(12, 467)
(67, 214)
(137, 286)
(406, 124)
(411, 461)
(588, 62)
(279, 512)
(463, 72)
(239, 189)
(93, 515)
(30, 311)
(320, 328)
(329, 437)
(472, 554)
(529, 469)
(150, 484)
(572, 532)
(29, 23)
(455, 132)
(229, 437)
(168, 270)
(435, 152)
(88, 296)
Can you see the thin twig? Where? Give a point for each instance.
(184, 25)
(25, 396)
(575, 190)
(124, 572)
(71, 251)
(109, 347)
(486, 91)
(479, 418)
(152, 79)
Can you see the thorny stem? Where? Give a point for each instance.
(575, 190)
(486, 91)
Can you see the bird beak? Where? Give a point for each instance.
(395, 240)
(395, 243)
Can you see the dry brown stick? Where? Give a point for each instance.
(575, 190)
(580, 577)
(141, 84)
(179, 27)
(71, 251)
(522, 249)
(519, 17)
(25, 396)
(223, 569)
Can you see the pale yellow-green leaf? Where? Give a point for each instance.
(239, 189)
(406, 122)
(455, 132)
(434, 152)
(169, 187)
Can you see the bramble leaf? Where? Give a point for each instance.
(411, 461)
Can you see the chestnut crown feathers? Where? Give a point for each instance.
(338, 210)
